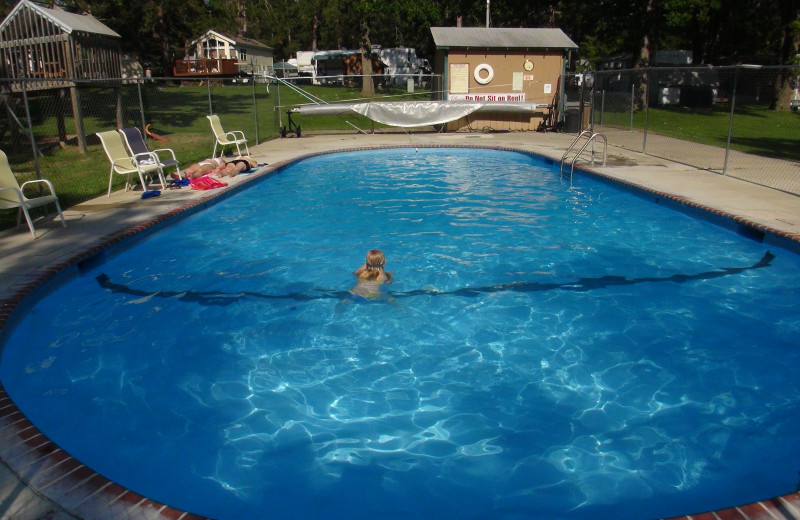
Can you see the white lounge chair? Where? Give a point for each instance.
(124, 164)
(138, 148)
(223, 138)
(13, 196)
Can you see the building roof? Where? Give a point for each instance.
(236, 40)
(68, 22)
(339, 53)
(250, 42)
(500, 38)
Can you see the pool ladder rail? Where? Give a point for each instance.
(590, 139)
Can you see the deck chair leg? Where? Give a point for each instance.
(161, 179)
(60, 214)
(144, 184)
(110, 181)
(28, 219)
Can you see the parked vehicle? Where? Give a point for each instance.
(242, 78)
(402, 62)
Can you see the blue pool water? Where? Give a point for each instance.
(544, 352)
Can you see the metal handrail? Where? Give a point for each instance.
(571, 147)
(589, 140)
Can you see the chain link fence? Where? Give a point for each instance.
(739, 121)
(47, 129)
(722, 119)
(50, 132)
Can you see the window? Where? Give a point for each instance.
(242, 54)
(213, 49)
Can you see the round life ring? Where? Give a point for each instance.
(489, 73)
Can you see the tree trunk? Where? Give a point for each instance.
(314, 31)
(790, 46)
(163, 40)
(640, 67)
(367, 86)
(241, 14)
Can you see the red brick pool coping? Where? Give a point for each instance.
(80, 491)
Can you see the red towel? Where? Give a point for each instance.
(206, 183)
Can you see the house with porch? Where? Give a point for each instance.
(218, 54)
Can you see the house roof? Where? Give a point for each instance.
(325, 55)
(236, 40)
(250, 42)
(494, 38)
(68, 22)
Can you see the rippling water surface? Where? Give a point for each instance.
(544, 352)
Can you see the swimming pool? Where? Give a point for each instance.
(549, 352)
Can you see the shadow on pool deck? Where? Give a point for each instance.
(33, 470)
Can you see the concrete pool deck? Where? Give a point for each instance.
(37, 480)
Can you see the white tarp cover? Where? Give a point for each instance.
(417, 113)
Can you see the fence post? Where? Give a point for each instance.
(581, 105)
(208, 87)
(602, 106)
(255, 107)
(141, 108)
(730, 121)
(648, 76)
(278, 105)
(34, 148)
(119, 108)
(633, 99)
(593, 96)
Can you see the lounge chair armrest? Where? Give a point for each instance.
(234, 133)
(152, 156)
(125, 162)
(45, 181)
(18, 192)
(165, 150)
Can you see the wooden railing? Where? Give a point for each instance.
(204, 67)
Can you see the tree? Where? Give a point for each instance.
(152, 30)
(739, 30)
(699, 21)
(788, 51)
(646, 51)
(5, 7)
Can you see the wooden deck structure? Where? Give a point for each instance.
(47, 48)
(204, 67)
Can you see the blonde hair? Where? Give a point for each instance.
(374, 265)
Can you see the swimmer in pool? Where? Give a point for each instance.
(371, 276)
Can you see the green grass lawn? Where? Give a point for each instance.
(175, 112)
(756, 130)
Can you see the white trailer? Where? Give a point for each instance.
(402, 63)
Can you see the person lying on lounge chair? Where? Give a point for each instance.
(205, 167)
(237, 166)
